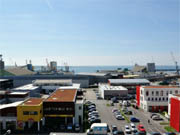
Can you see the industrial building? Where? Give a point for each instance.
(30, 113)
(63, 107)
(174, 111)
(53, 66)
(107, 92)
(130, 84)
(155, 98)
(6, 84)
(34, 91)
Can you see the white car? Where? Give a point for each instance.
(133, 128)
(127, 130)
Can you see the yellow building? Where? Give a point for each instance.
(30, 113)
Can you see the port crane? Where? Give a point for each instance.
(176, 63)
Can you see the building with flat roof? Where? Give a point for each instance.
(8, 115)
(107, 91)
(34, 91)
(155, 98)
(63, 107)
(130, 84)
(174, 111)
(10, 97)
(30, 113)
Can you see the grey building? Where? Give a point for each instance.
(151, 67)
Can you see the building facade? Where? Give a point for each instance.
(174, 111)
(6, 84)
(30, 113)
(107, 92)
(154, 98)
(63, 108)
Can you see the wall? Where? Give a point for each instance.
(175, 114)
(138, 95)
(78, 113)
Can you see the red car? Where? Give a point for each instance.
(141, 128)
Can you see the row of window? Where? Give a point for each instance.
(158, 99)
(30, 113)
(159, 93)
(58, 109)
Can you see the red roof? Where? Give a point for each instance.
(62, 96)
(33, 101)
(161, 86)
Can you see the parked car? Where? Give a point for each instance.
(169, 133)
(157, 118)
(114, 128)
(141, 128)
(114, 110)
(117, 113)
(133, 128)
(134, 119)
(77, 127)
(128, 112)
(155, 133)
(127, 130)
(154, 114)
(140, 133)
(119, 117)
(95, 121)
(69, 127)
(118, 132)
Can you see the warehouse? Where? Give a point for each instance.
(63, 108)
(130, 84)
(107, 92)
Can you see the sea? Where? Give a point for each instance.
(91, 69)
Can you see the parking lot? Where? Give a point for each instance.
(107, 116)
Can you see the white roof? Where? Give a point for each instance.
(1, 80)
(26, 87)
(92, 74)
(99, 125)
(10, 105)
(128, 81)
(74, 86)
(18, 93)
(108, 87)
(53, 81)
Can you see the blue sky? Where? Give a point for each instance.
(90, 32)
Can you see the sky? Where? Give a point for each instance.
(90, 32)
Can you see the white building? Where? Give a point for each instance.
(107, 91)
(155, 98)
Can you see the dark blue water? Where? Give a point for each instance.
(91, 69)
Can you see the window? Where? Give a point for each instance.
(176, 92)
(166, 99)
(170, 92)
(167, 93)
(148, 99)
(152, 99)
(33, 113)
(159, 99)
(147, 93)
(157, 93)
(152, 93)
(25, 113)
(141, 92)
(155, 99)
(161, 93)
(163, 98)
(80, 107)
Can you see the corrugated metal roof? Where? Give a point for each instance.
(128, 81)
(160, 86)
(32, 101)
(53, 81)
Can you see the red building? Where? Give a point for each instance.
(175, 112)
